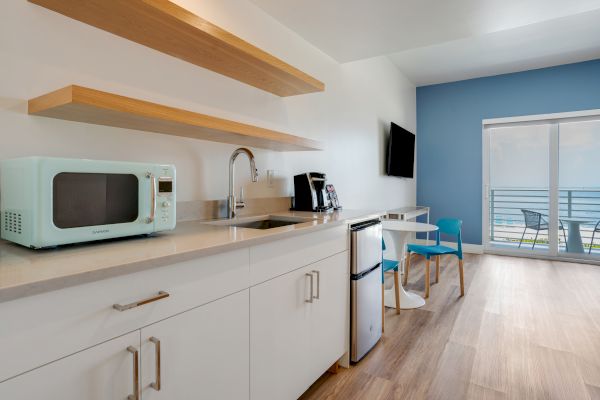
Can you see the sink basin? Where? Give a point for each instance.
(265, 224)
(262, 222)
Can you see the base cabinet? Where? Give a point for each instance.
(297, 331)
(103, 372)
(236, 326)
(204, 353)
(330, 322)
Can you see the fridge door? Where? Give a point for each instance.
(366, 246)
(365, 313)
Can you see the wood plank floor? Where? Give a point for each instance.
(526, 329)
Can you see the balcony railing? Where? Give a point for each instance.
(507, 222)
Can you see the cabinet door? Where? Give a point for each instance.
(204, 352)
(279, 337)
(102, 372)
(330, 322)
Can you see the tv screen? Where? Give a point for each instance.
(401, 152)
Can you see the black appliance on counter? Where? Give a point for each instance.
(311, 193)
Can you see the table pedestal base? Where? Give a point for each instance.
(408, 300)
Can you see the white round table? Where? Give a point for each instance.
(396, 234)
(574, 242)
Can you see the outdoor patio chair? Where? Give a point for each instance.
(539, 222)
(596, 229)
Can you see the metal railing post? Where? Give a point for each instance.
(492, 219)
(569, 203)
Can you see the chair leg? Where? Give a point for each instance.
(397, 290)
(535, 240)
(567, 244)
(427, 273)
(461, 274)
(437, 269)
(407, 268)
(522, 237)
(591, 243)
(382, 307)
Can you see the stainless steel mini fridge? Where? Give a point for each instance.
(365, 287)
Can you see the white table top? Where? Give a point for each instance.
(405, 226)
(576, 220)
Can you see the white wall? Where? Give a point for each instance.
(41, 51)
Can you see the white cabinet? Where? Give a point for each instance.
(204, 353)
(330, 319)
(82, 316)
(279, 336)
(295, 335)
(220, 337)
(102, 372)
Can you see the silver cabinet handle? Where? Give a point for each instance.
(156, 384)
(136, 374)
(150, 176)
(310, 299)
(318, 285)
(161, 295)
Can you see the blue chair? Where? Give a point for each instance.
(448, 226)
(389, 265)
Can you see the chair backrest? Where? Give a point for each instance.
(533, 219)
(453, 227)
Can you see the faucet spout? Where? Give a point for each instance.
(232, 203)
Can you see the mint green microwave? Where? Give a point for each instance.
(47, 202)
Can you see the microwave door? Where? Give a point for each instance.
(94, 199)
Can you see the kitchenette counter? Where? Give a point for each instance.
(25, 272)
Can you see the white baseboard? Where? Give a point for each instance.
(467, 247)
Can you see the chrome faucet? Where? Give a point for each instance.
(232, 203)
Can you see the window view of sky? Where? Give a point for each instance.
(579, 154)
(519, 156)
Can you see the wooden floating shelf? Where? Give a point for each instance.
(171, 29)
(76, 103)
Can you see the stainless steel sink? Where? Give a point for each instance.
(266, 224)
(262, 222)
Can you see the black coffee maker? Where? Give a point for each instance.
(310, 193)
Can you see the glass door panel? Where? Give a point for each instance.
(579, 188)
(517, 189)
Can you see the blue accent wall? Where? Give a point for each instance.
(449, 136)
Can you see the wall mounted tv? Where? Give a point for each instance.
(401, 152)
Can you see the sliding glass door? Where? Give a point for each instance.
(579, 185)
(518, 187)
(542, 187)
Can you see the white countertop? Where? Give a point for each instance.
(25, 272)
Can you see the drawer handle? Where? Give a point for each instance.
(318, 285)
(136, 374)
(310, 298)
(161, 295)
(156, 384)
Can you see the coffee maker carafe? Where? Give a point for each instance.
(310, 193)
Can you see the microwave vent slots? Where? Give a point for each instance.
(13, 222)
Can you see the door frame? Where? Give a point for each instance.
(553, 185)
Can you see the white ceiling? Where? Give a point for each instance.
(434, 41)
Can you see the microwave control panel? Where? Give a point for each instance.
(165, 200)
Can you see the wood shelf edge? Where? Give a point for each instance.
(82, 104)
(178, 32)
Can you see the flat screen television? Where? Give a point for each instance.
(401, 152)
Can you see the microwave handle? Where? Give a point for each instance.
(150, 176)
